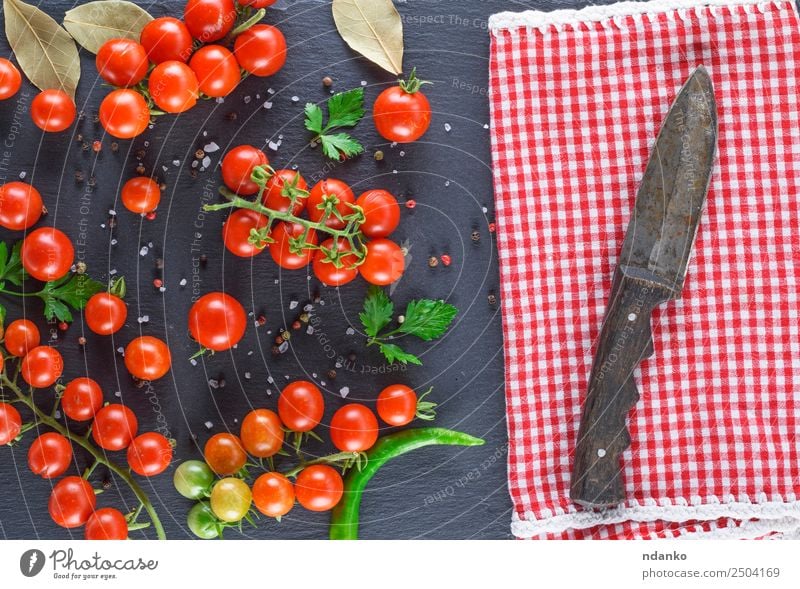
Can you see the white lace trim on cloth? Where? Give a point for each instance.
(758, 519)
(560, 18)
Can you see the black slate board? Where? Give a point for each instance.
(434, 493)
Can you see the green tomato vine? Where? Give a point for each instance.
(352, 256)
(99, 457)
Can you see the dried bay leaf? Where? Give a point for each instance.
(94, 23)
(374, 29)
(44, 51)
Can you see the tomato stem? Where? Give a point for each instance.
(351, 232)
(83, 442)
(90, 469)
(338, 458)
(241, 28)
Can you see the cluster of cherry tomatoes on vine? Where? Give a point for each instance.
(174, 63)
(114, 427)
(317, 486)
(289, 220)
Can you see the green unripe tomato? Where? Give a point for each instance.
(202, 522)
(193, 479)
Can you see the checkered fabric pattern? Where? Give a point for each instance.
(577, 99)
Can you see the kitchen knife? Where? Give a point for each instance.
(651, 270)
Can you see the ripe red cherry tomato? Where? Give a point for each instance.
(354, 428)
(281, 187)
(122, 62)
(217, 321)
(281, 248)
(149, 454)
(10, 79)
(209, 20)
(237, 167)
(50, 455)
(106, 524)
(42, 366)
(173, 86)
(397, 404)
(20, 206)
(257, 3)
(141, 195)
(384, 262)
(10, 423)
(262, 433)
(332, 191)
(53, 111)
(114, 427)
(224, 454)
(82, 399)
(402, 113)
(216, 69)
(261, 50)
(105, 313)
(236, 232)
(21, 337)
(71, 502)
(147, 358)
(273, 494)
(166, 39)
(381, 211)
(124, 114)
(327, 272)
(47, 254)
(301, 406)
(319, 487)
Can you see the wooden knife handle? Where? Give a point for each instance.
(625, 340)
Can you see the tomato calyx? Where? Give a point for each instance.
(426, 410)
(133, 517)
(413, 84)
(118, 288)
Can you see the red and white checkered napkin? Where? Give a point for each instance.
(577, 101)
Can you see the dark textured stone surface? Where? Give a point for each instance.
(434, 493)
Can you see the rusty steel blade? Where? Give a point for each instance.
(670, 199)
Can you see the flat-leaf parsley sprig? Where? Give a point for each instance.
(426, 319)
(60, 297)
(345, 109)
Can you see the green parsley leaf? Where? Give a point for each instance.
(427, 319)
(334, 146)
(11, 265)
(345, 109)
(378, 311)
(313, 118)
(73, 291)
(394, 353)
(3, 257)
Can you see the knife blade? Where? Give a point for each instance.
(652, 269)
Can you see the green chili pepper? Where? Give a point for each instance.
(344, 519)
